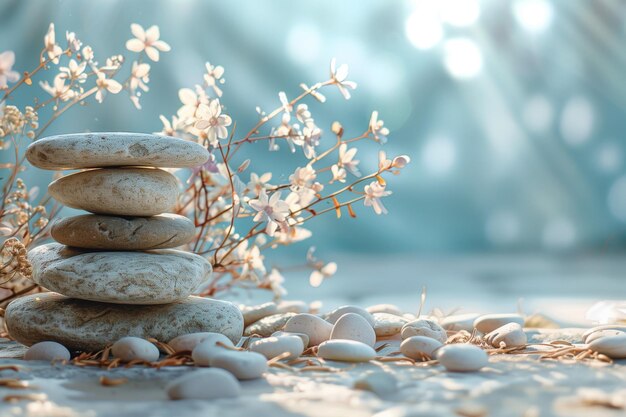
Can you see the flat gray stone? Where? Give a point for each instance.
(90, 326)
(118, 191)
(152, 277)
(94, 231)
(107, 149)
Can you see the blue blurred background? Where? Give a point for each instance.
(512, 111)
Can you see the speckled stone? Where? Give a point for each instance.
(90, 326)
(268, 325)
(107, 149)
(119, 191)
(152, 277)
(95, 231)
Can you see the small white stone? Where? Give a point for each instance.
(424, 327)
(268, 325)
(205, 350)
(602, 333)
(458, 322)
(206, 384)
(294, 306)
(510, 334)
(414, 346)
(346, 351)
(490, 322)
(385, 308)
(131, 348)
(334, 315)
(190, 341)
(244, 365)
(380, 383)
(387, 325)
(252, 314)
(462, 357)
(315, 327)
(304, 337)
(47, 351)
(612, 346)
(271, 347)
(352, 326)
(603, 327)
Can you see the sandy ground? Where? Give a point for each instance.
(512, 385)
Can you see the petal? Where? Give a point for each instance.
(225, 120)
(138, 31)
(187, 96)
(135, 45)
(152, 53)
(152, 34)
(163, 46)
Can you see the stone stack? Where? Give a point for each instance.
(114, 272)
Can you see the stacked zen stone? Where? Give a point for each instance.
(113, 271)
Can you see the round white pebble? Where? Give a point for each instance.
(206, 384)
(304, 337)
(131, 348)
(387, 325)
(336, 314)
(191, 340)
(244, 365)
(271, 347)
(252, 314)
(603, 327)
(47, 351)
(511, 335)
(346, 351)
(204, 351)
(352, 326)
(424, 327)
(490, 322)
(414, 346)
(602, 333)
(462, 357)
(315, 327)
(612, 346)
(459, 322)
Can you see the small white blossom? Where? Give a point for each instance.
(169, 129)
(7, 75)
(105, 84)
(377, 128)
(373, 194)
(272, 210)
(258, 183)
(339, 174)
(214, 76)
(191, 102)
(73, 42)
(339, 77)
(276, 280)
(147, 40)
(54, 51)
(347, 161)
(303, 114)
(211, 120)
(58, 89)
(316, 94)
(302, 177)
(311, 135)
(74, 71)
(88, 53)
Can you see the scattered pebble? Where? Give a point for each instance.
(490, 322)
(387, 324)
(292, 307)
(268, 325)
(602, 333)
(131, 348)
(243, 365)
(204, 352)
(380, 383)
(459, 322)
(612, 346)
(424, 327)
(206, 384)
(385, 308)
(511, 335)
(603, 327)
(334, 315)
(252, 314)
(414, 346)
(188, 342)
(353, 326)
(315, 327)
(462, 357)
(47, 351)
(271, 347)
(304, 337)
(346, 351)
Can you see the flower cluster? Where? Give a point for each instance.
(240, 214)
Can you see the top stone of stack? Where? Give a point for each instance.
(115, 149)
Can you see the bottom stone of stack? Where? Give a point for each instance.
(90, 326)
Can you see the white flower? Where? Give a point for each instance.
(385, 164)
(87, 53)
(377, 127)
(303, 114)
(275, 280)
(373, 193)
(400, 161)
(339, 77)
(302, 177)
(258, 182)
(139, 76)
(212, 121)
(191, 102)
(105, 84)
(339, 174)
(273, 210)
(147, 40)
(7, 59)
(347, 161)
(58, 89)
(54, 51)
(311, 135)
(316, 94)
(74, 71)
(73, 42)
(213, 76)
(169, 129)
(284, 101)
(326, 271)
(293, 235)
